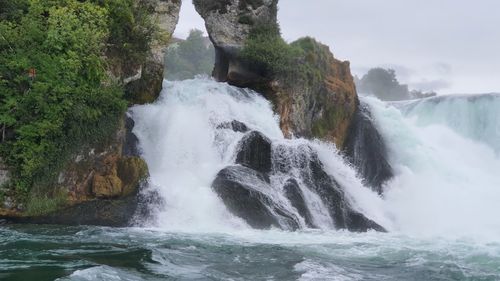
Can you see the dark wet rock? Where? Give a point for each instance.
(357, 222)
(255, 152)
(234, 125)
(117, 213)
(130, 142)
(304, 161)
(333, 196)
(296, 198)
(243, 192)
(366, 150)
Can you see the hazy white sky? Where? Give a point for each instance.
(452, 46)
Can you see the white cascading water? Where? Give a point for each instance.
(184, 149)
(446, 180)
(445, 154)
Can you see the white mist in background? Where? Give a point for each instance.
(447, 172)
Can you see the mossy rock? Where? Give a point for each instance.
(131, 171)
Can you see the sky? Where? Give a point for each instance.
(450, 46)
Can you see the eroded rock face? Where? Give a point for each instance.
(318, 107)
(229, 23)
(166, 14)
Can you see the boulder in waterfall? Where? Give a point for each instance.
(130, 145)
(255, 152)
(245, 194)
(296, 197)
(366, 150)
(234, 125)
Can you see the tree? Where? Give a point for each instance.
(383, 84)
(190, 57)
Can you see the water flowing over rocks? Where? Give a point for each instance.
(250, 192)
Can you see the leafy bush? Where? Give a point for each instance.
(301, 62)
(266, 52)
(71, 103)
(131, 28)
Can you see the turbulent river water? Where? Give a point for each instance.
(440, 210)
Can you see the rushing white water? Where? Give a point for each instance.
(183, 143)
(446, 166)
(447, 172)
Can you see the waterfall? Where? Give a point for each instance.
(444, 151)
(187, 137)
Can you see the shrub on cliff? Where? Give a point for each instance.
(301, 62)
(266, 52)
(71, 103)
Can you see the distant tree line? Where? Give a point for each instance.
(384, 84)
(188, 58)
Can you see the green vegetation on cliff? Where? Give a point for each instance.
(268, 53)
(310, 75)
(71, 102)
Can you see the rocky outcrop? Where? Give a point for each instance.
(166, 14)
(229, 23)
(366, 150)
(319, 104)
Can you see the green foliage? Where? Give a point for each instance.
(301, 62)
(70, 103)
(131, 28)
(267, 53)
(189, 57)
(383, 84)
(39, 205)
